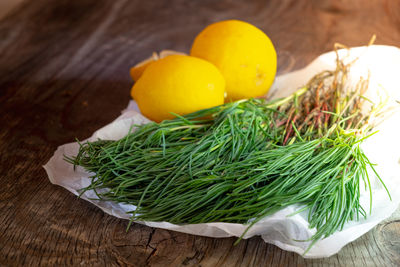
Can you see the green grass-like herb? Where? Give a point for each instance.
(242, 161)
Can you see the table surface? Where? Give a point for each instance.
(64, 73)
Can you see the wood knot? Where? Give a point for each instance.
(389, 239)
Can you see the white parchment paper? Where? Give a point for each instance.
(383, 63)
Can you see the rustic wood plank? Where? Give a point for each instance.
(64, 74)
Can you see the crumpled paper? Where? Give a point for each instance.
(383, 64)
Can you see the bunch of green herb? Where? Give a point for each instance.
(244, 160)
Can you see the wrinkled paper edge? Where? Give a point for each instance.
(278, 228)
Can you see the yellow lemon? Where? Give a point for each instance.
(137, 70)
(243, 53)
(179, 84)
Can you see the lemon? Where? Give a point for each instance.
(244, 54)
(137, 70)
(179, 84)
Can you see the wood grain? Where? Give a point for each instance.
(64, 73)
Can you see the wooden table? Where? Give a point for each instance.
(64, 73)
